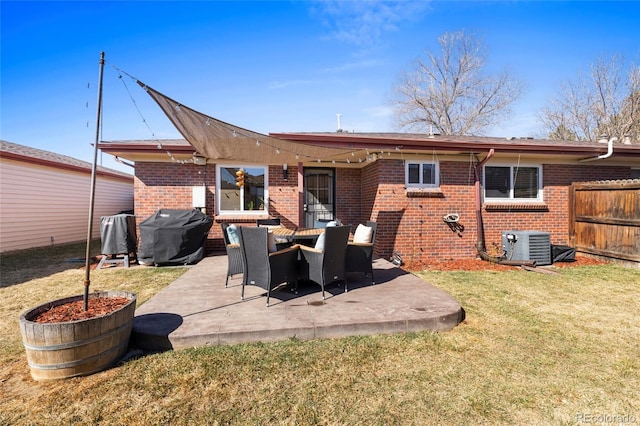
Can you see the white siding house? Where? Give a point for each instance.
(44, 197)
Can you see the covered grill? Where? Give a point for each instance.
(119, 239)
(172, 236)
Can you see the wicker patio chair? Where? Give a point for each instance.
(234, 256)
(327, 264)
(263, 268)
(281, 242)
(360, 254)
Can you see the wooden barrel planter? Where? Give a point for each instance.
(76, 348)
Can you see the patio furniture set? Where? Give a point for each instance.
(269, 255)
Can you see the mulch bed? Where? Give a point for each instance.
(481, 265)
(74, 311)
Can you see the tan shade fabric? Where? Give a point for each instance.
(218, 140)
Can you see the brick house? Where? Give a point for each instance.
(407, 183)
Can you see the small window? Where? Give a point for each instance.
(513, 183)
(423, 174)
(242, 189)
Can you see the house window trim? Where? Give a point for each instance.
(511, 199)
(410, 186)
(220, 212)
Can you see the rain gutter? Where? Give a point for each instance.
(600, 157)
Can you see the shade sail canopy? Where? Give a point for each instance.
(218, 140)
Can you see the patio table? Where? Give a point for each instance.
(306, 236)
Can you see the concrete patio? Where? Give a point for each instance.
(197, 309)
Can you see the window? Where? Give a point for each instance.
(422, 174)
(250, 197)
(513, 183)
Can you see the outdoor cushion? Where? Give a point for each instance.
(320, 241)
(232, 233)
(271, 242)
(363, 234)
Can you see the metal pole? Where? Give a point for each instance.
(87, 264)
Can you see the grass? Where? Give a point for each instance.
(534, 349)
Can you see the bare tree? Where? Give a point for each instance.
(604, 102)
(450, 94)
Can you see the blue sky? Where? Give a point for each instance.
(281, 66)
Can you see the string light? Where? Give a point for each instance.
(153, 135)
(208, 121)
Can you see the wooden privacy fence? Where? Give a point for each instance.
(605, 218)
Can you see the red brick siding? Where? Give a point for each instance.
(349, 201)
(168, 185)
(412, 226)
(283, 195)
(557, 179)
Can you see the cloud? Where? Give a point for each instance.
(363, 23)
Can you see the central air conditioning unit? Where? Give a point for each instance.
(527, 245)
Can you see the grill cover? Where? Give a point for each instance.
(118, 234)
(172, 236)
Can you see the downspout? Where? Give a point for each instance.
(600, 157)
(480, 244)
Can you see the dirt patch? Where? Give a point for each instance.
(74, 311)
(481, 265)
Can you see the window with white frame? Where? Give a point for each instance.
(422, 174)
(521, 183)
(242, 189)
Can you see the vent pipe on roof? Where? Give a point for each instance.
(433, 133)
(600, 157)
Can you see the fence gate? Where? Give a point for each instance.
(605, 218)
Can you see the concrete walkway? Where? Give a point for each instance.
(197, 309)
